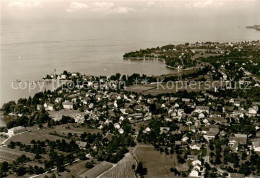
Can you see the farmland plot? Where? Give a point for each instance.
(122, 169)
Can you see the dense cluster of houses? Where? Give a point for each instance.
(104, 104)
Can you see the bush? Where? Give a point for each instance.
(89, 165)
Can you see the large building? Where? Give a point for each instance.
(16, 130)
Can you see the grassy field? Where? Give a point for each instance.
(74, 129)
(44, 134)
(35, 134)
(97, 170)
(71, 170)
(8, 154)
(157, 164)
(123, 168)
(57, 115)
(140, 88)
(173, 87)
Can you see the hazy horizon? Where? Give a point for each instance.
(137, 10)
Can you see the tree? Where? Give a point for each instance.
(21, 171)
(4, 166)
(133, 166)
(244, 169)
(53, 175)
(89, 165)
(140, 169)
(8, 107)
(82, 156)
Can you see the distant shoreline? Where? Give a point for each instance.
(256, 27)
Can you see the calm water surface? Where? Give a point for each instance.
(31, 49)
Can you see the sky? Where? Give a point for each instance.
(135, 9)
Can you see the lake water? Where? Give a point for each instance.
(32, 48)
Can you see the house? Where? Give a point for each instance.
(62, 77)
(192, 157)
(195, 172)
(201, 109)
(211, 133)
(16, 130)
(237, 103)
(117, 125)
(109, 136)
(164, 130)
(79, 118)
(253, 111)
(121, 131)
(241, 138)
(137, 115)
(236, 175)
(148, 116)
(67, 105)
(256, 104)
(256, 146)
(39, 107)
(239, 113)
(201, 116)
(57, 100)
(74, 95)
(147, 130)
(236, 140)
(186, 100)
(81, 144)
(218, 120)
(194, 146)
(50, 107)
(178, 143)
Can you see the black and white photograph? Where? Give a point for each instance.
(129, 88)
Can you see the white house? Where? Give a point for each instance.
(195, 146)
(79, 118)
(67, 105)
(147, 130)
(256, 146)
(164, 130)
(39, 107)
(50, 107)
(117, 126)
(62, 77)
(121, 131)
(201, 109)
(57, 100)
(194, 173)
(253, 111)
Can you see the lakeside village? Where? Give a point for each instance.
(123, 126)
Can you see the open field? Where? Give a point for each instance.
(205, 55)
(57, 115)
(97, 170)
(122, 169)
(27, 137)
(43, 134)
(140, 88)
(74, 129)
(157, 164)
(71, 170)
(3, 138)
(8, 154)
(173, 87)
